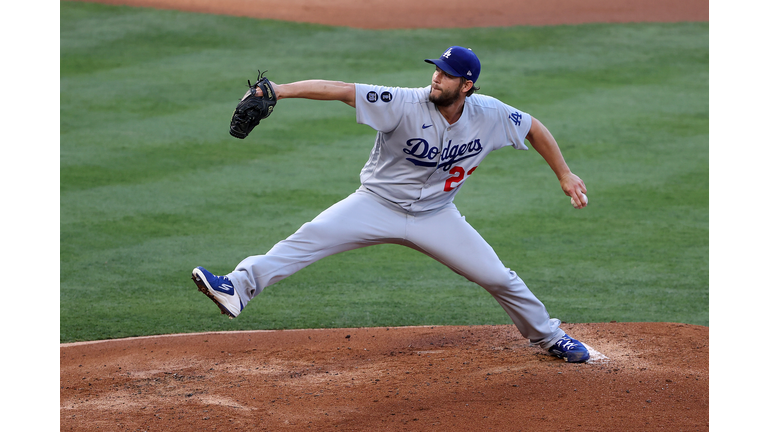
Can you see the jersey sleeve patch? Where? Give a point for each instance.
(374, 97)
(380, 107)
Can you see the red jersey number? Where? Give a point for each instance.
(458, 175)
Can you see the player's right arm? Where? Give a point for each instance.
(544, 143)
(317, 90)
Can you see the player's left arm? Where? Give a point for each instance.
(544, 143)
(317, 90)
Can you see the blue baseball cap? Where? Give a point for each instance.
(460, 62)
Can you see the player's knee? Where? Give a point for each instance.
(495, 282)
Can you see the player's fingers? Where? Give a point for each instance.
(576, 200)
(581, 187)
(579, 200)
(573, 191)
(583, 200)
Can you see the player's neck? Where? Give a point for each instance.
(452, 112)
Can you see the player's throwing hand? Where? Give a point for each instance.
(574, 187)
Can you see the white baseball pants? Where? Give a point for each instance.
(365, 219)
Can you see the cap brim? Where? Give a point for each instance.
(444, 66)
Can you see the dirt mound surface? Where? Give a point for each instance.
(646, 376)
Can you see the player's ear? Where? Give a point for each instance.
(467, 86)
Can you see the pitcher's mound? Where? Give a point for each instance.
(645, 376)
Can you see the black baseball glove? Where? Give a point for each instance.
(252, 109)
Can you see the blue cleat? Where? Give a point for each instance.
(570, 349)
(220, 290)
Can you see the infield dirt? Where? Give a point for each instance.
(655, 377)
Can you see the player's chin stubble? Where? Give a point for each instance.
(445, 98)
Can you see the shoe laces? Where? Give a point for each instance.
(224, 281)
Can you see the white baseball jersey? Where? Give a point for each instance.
(419, 161)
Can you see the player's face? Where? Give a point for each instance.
(446, 89)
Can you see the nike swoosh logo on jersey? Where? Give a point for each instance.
(225, 288)
(424, 126)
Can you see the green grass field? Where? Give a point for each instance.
(152, 184)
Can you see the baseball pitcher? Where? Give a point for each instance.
(429, 141)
